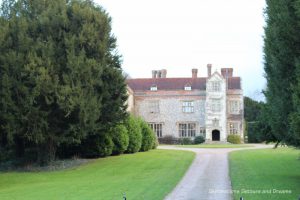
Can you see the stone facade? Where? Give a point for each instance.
(211, 106)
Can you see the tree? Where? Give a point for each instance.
(252, 109)
(282, 48)
(61, 77)
(148, 137)
(134, 133)
(258, 129)
(97, 145)
(120, 139)
(294, 133)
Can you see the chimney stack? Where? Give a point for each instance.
(164, 73)
(209, 70)
(154, 73)
(158, 74)
(194, 73)
(227, 72)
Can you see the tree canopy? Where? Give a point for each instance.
(258, 129)
(60, 76)
(282, 69)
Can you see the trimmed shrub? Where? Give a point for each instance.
(99, 145)
(147, 136)
(135, 135)
(185, 141)
(155, 143)
(199, 139)
(120, 139)
(234, 139)
(168, 139)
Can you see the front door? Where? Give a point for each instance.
(215, 135)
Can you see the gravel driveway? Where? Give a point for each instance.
(208, 176)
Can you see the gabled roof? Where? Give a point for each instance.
(216, 75)
(144, 84)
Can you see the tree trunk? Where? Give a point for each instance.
(276, 145)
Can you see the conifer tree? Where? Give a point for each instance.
(282, 42)
(61, 77)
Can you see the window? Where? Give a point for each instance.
(215, 86)
(233, 127)
(154, 106)
(215, 105)
(188, 87)
(202, 131)
(188, 106)
(153, 88)
(234, 107)
(157, 129)
(187, 130)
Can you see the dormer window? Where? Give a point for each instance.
(153, 88)
(188, 87)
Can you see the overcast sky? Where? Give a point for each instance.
(180, 35)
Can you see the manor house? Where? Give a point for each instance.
(211, 106)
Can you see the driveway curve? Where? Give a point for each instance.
(208, 176)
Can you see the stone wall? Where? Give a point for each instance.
(170, 109)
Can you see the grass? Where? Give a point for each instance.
(263, 174)
(150, 176)
(215, 146)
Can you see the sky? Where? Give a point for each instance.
(180, 35)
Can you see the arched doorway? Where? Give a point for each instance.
(215, 135)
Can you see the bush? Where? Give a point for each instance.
(185, 141)
(147, 136)
(99, 145)
(120, 139)
(155, 143)
(234, 139)
(168, 139)
(135, 135)
(199, 139)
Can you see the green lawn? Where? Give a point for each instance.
(268, 171)
(215, 146)
(148, 176)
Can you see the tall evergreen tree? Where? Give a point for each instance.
(294, 134)
(281, 49)
(60, 75)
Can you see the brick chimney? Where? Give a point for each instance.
(194, 73)
(163, 73)
(154, 73)
(209, 70)
(227, 72)
(158, 75)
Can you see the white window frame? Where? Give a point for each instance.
(188, 87)
(215, 86)
(154, 106)
(234, 128)
(157, 129)
(153, 88)
(187, 129)
(215, 105)
(187, 106)
(234, 107)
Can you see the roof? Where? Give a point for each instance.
(143, 84)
